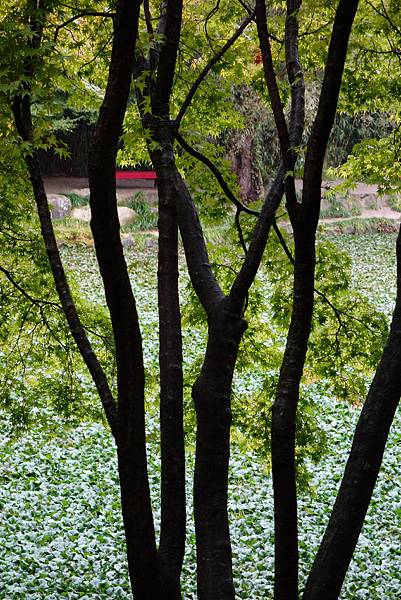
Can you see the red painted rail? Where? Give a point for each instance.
(136, 175)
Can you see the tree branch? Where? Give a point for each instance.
(212, 167)
(206, 70)
(78, 16)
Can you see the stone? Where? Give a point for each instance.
(127, 241)
(81, 214)
(151, 243)
(349, 229)
(60, 206)
(125, 215)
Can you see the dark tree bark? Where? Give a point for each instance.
(162, 62)
(155, 574)
(131, 445)
(337, 547)
(173, 501)
(212, 397)
(212, 389)
(304, 219)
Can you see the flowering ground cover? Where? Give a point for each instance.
(60, 527)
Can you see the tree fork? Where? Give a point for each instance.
(305, 225)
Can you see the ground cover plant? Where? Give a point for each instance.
(61, 523)
(282, 304)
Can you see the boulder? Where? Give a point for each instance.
(60, 206)
(81, 214)
(125, 215)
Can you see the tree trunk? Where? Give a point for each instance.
(131, 442)
(284, 423)
(211, 394)
(338, 545)
(173, 501)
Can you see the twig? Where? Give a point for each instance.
(78, 16)
(209, 67)
(36, 301)
(337, 311)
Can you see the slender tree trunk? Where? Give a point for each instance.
(173, 502)
(304, 220)
(338, 545)
(212, 395)
(131, 443)
(284, 423)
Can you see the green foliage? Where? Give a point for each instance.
(375, 161)
(347, 338)
(146, 214)
(60, 493)
(77, 200)
(40, 367)
(338, 207)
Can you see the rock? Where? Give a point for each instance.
(60, 206)
(81, 214)
(349, 229)
(125, 215)
(151, 243)
(127, 241)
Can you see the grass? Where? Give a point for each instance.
(339, 208)
(361, 226)
(394, 201)
(77, 200)
(146, 214)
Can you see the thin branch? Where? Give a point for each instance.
(385, 16)
(208, 17)
(212, 167)
(78, 16)
(239, 230)
(148, 17)
(36, 301)
(337, 311)
(98, 53)
(213, 61)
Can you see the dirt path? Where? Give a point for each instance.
(67, 185)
